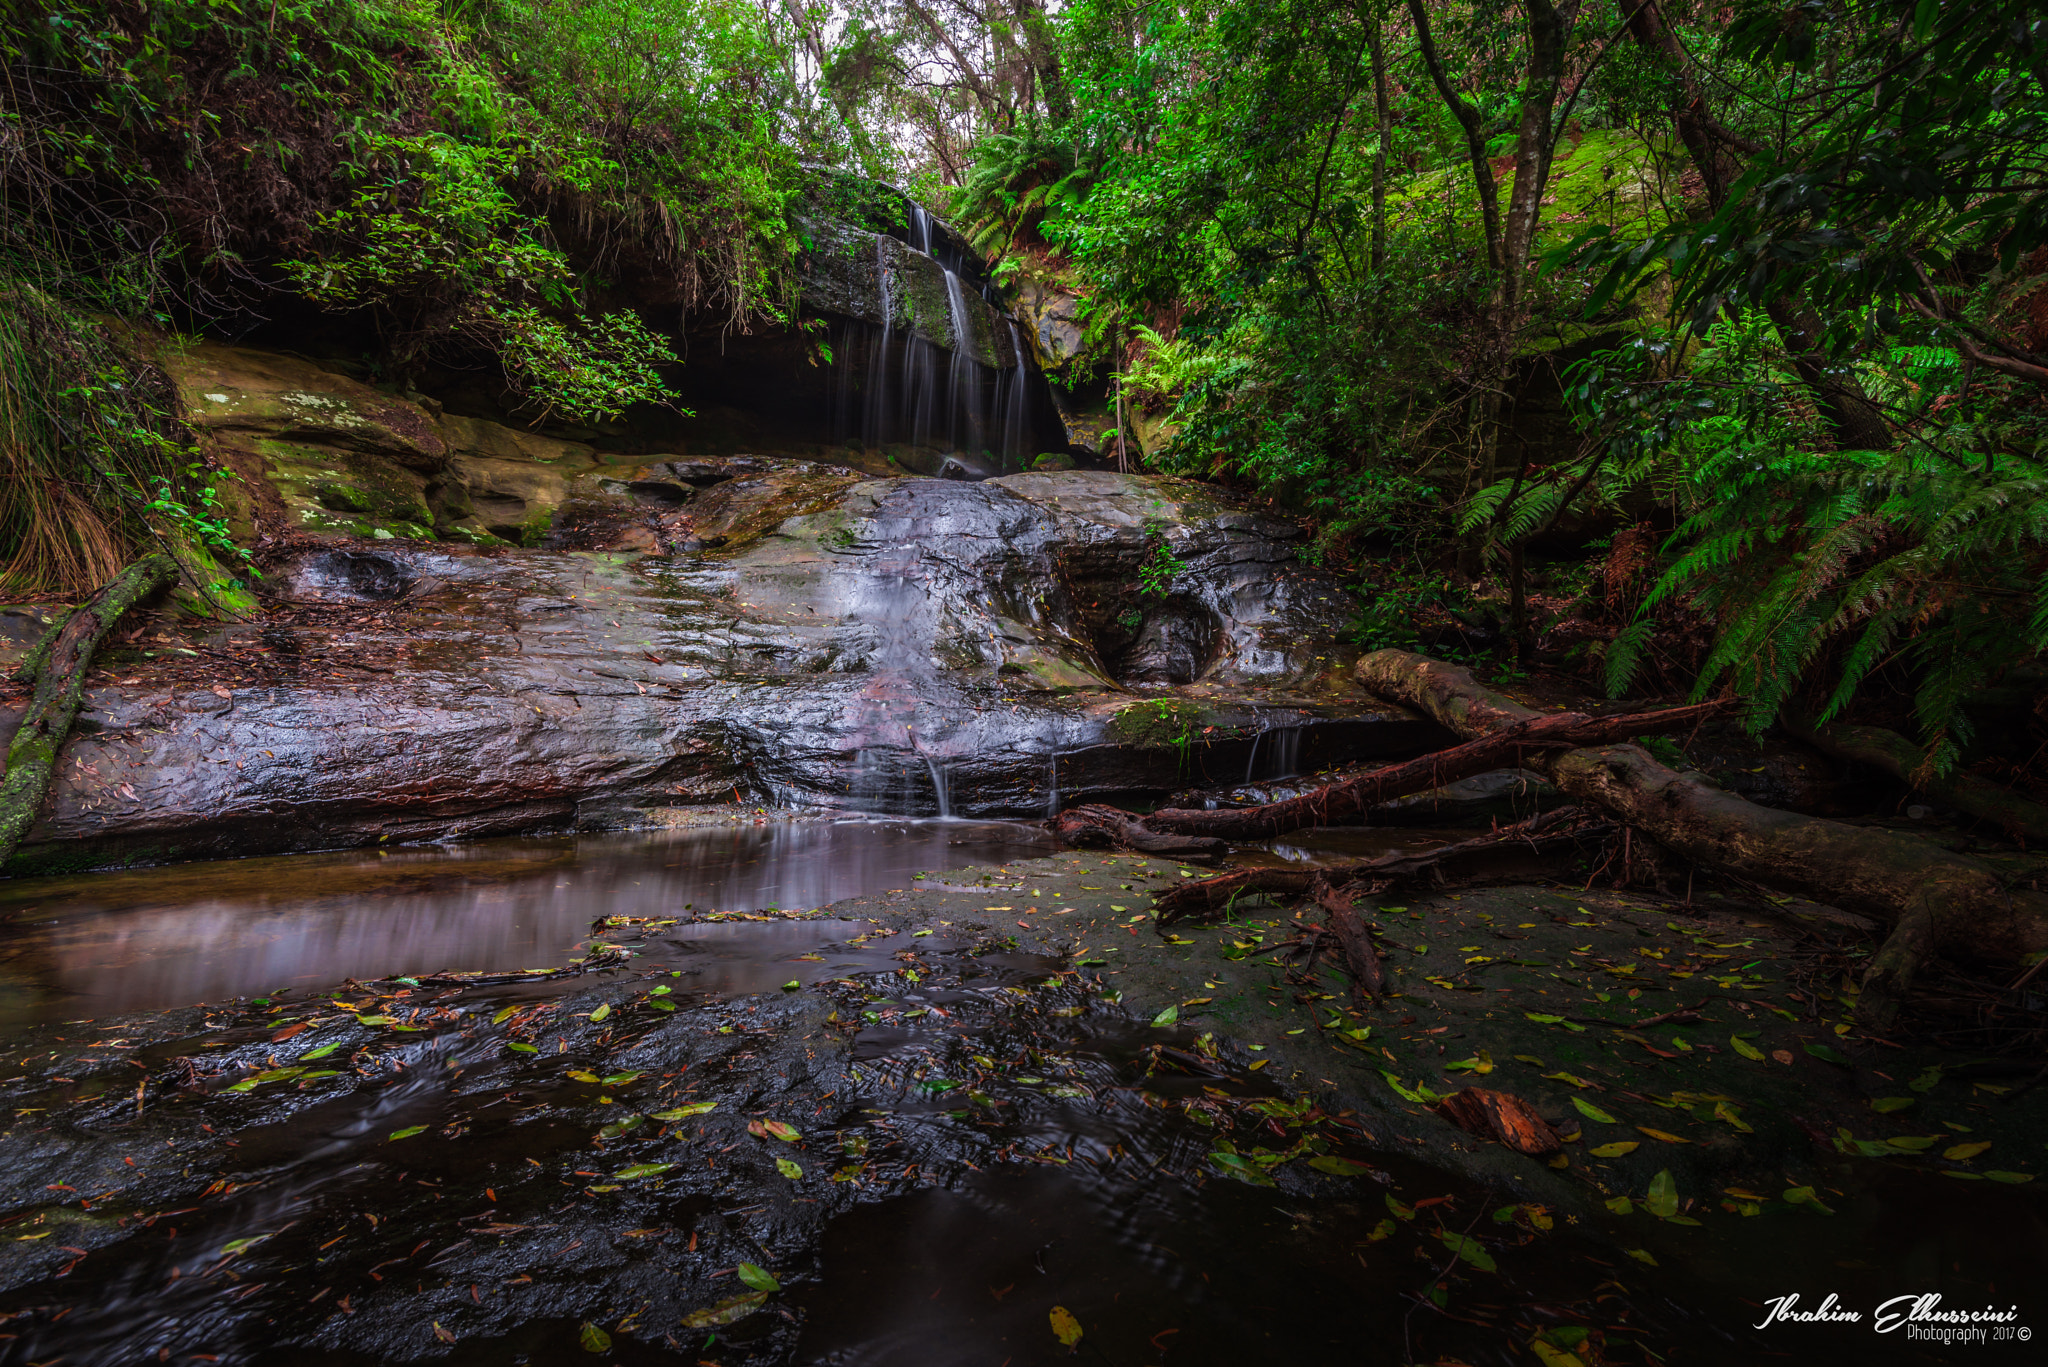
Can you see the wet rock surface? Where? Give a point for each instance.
(910, 646)
(906, 1126)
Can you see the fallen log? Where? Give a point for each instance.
(1932, 900)
(61, 661)
(1504, 853)
(1347, 803)
(1892, 753)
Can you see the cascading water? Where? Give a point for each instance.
(891, 376)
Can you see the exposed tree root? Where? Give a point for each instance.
(1347, 803)
(1933, 900)
(60, 662)
(1092, 827)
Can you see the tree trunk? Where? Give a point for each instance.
(61, 661)
(1891, 752)
(1934, 901)
(1385, 118)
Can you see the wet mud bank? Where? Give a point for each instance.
(924, 1122)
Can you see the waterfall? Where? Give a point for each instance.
(941, 786)
(1251, 766)
(890, 386)
(875, 411)
(1052, 782)
(1287, 748)
(1017, 428)
(963, 384)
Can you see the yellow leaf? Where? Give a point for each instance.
(1554, 1357)
(1065, 1327)
(1615, 1150)
(1659, 1134)
(1960, 1153)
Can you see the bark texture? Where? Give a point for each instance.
(60, 661)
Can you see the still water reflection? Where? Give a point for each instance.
(99, 944)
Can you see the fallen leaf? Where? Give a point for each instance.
(1827, 1053)
(685, 1112)
(1962, 1153)
(760, 1278)
(2014, 1178)
(787, 1133)
(1065, 1327)
(1592, 1112)
(1167, 1017)
(600, 1013)
(1662, 1199)
(1664, 1135)
(628, 1174)
(1468, 1249)
(788, 1169)
(408, 1132)
(1887, 1104)
(594, 1339)
(1615, 1150)
(1339, 1167)
(1745, 1048)
(726, 1311)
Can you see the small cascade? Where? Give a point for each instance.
(1251, 766)
(1286, 751)
(941, 789)
(1052, 782)
(1017, 426)
(875, 415)
(967, 430)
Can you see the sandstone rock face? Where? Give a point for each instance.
(873, 278)
(914, 646)
(323, 454)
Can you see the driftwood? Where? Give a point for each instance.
(1347, 803)
(1893, 754)
(1932, 900)
(57, 667)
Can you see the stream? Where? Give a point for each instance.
(527, 1101)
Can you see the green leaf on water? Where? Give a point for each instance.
(1745, 1048)
(638, 1170)
(322, 1052)
(1927, 1080)
(1167, 1017)
(582, 1075)
(1468, 1249)
(406, 982)
(1913, 1143)
(1805, 1196)
(1640, 1255)
(1621, 1205)
(600, 1013)
(1065, 1327)
(375, 1020)
(1827, 1053)
(2015, 1178)
(760, 1278)
(661, 1005)
(788, 1169)
(685, 1112)
(620, 1079)
(1339, 1167)
(1242, 1168)
(408, 1132)
(661, 991)
(1662, 1200)
(1397, 1210)
(1592, 1112)
(594, 1339)
(725, 1312)
(234, 1246)
(518, 1047)
(504, 1014)
(1887, 1104)
(619, 1127)
(919, 934)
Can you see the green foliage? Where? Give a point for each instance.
(1161, 566)
(95, 463)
